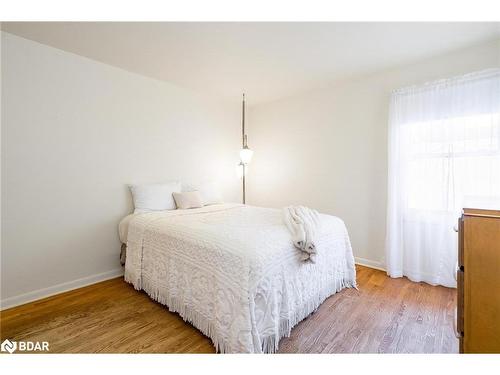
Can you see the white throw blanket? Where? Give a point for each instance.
(232, 271)
(303, 224)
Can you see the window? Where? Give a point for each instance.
(453, 163)
(444, 154)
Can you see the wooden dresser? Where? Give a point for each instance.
(478, 278)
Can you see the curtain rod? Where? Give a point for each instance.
(474, 76)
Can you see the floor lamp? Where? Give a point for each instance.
(245, 153)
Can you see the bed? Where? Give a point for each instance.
(232, 271)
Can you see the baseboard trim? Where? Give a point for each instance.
(89, 280)
(369, 263)
(57, 289)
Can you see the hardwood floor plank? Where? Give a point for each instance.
(384, 316)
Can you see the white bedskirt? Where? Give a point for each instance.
(232, 271)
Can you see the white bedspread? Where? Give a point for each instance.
(233, 272)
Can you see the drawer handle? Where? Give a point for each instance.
(457, 270)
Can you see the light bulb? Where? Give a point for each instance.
(240, 168)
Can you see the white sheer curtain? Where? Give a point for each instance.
(444, 154)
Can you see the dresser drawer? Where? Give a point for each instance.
(461, 243)
(460, 303)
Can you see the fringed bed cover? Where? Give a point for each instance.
(232, 271)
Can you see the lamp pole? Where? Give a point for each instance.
(243, 141)
(244, 200)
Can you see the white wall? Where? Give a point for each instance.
(74, 133)
(327, 148)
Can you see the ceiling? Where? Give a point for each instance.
(265, 60)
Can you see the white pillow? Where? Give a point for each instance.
(154, 197)
(209, 192)
(188, 199)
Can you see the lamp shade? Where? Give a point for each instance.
(246, 155)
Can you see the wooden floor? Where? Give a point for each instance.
(385, 316)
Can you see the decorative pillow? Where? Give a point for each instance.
(189, 199)
(154, 197)
(209, 192)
